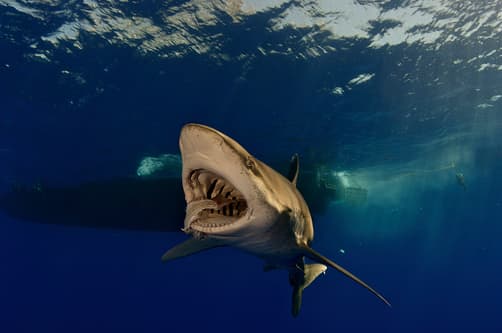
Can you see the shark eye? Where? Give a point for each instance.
(250, 163)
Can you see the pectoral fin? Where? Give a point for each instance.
(310, 253)
(189, 247)
(311, 272)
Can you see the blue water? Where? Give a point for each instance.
(401, 94)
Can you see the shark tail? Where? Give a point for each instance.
(313, 255)
(311, 272)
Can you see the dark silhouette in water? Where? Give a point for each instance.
(461, 180)
(148, 204)
(130, 203)
(158, 204)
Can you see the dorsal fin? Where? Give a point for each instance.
(294, 168)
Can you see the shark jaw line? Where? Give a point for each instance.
(214, 204)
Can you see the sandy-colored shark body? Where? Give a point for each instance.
(233, 199)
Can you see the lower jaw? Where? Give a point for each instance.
(209, 229)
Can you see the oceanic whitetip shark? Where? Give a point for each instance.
(233, 199)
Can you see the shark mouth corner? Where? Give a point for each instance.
(214, 205)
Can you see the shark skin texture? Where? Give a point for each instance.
(233, 199)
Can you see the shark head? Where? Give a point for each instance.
(231, 194)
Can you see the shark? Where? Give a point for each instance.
(233, 199)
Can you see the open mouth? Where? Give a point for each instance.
(215, 203)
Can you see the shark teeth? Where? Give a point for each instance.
(214, 202)
(208, 185)
(208, 226)
(195, 208)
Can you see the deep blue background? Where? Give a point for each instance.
(431, 248)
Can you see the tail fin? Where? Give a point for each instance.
(310, 253)
(311, 272)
